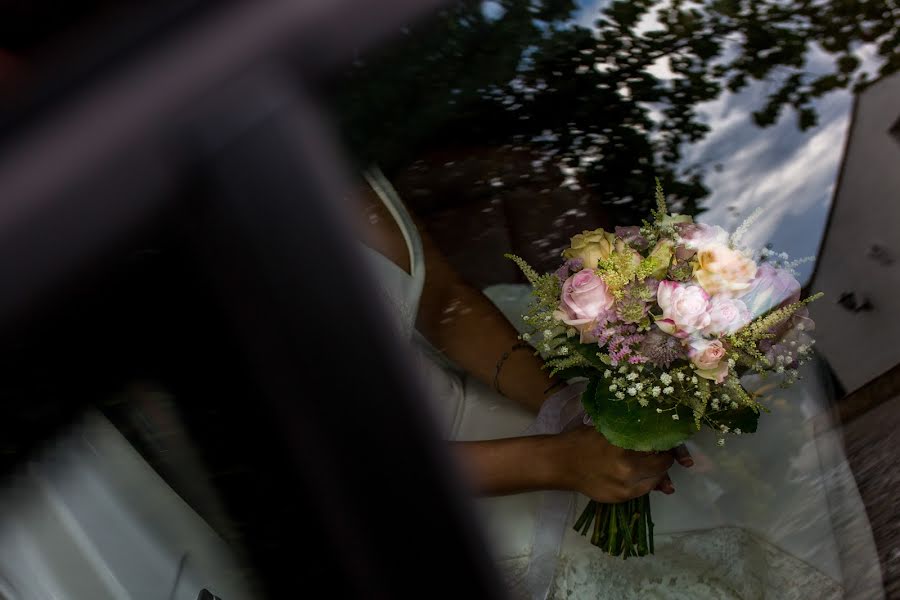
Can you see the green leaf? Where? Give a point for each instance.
(573, 373)
(634, 427)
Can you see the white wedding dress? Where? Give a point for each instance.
(773, 515)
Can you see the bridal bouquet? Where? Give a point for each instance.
(663, 319)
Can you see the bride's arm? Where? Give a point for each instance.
(580, 460)
(461, 321)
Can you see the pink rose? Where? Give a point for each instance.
(723, 270)
(685, 308)
(585, 300)
(726, 316)
(707, 356)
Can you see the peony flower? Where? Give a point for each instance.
(696, 236)
(685, 308)
(723, 270)
(771, 288)
(727, 315)
(591, 247)
(585, 301)
(707, 356)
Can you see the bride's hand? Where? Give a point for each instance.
(580, 460)
(584, 461)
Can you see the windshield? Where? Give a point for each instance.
(565, 112)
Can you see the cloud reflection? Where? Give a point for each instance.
(788, 173)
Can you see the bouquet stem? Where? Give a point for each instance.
(624, 529)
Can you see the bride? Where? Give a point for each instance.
(776, 516)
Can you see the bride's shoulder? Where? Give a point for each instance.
(378, 229)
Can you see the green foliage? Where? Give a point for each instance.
(590, 353)
(744, 343)
(549, 335)
(633, 427)
(699, 401)
(545, 289)
(621, 268)
(661, 209)
(737, 394)
(530, 274)
(574, 365)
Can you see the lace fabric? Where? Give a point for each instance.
(722, 563)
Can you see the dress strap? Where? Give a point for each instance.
(391, 200)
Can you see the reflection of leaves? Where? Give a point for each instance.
(806, 118)
(633, 427)
(437, 76)
(825, 83)
(847, 63)
(592, 100)
(526, 82)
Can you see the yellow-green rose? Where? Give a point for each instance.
(591, 247)
(663, 254)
